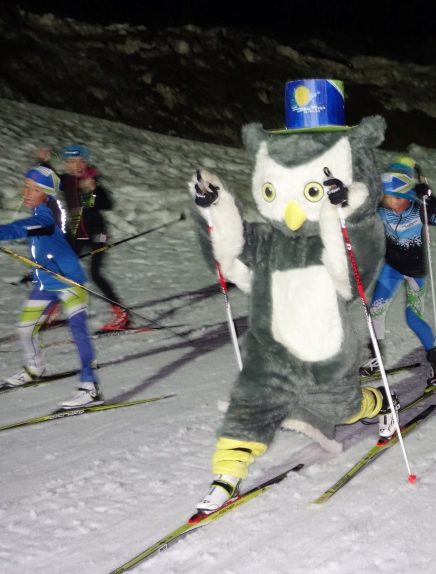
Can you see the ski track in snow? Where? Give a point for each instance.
(88, 493)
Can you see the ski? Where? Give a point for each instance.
(4, 388)
(63, 413)
(428, 392)
(393, 371)
(199, 520)
(373, 453)
(128, 331)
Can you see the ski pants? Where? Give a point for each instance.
(35, 312)
(388, 283)
(96, 268)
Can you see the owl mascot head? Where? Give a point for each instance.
(301, 354)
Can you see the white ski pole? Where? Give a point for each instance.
(411, 477)
(423, 179)
(224, 291)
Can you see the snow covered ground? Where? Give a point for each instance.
(88, 493)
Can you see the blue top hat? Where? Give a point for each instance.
(313, 106)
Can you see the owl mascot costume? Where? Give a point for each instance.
(301, 354)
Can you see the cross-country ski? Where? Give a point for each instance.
(65, 414)
(374, 453)
(201, 520)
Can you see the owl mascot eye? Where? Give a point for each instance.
(302, 352)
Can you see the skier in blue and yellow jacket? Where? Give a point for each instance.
(50, 249)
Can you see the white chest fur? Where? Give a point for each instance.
(305, 314)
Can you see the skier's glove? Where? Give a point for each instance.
(205, 193)
(337, 192)
(26, 279)
(422, 190)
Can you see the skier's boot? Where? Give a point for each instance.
(120, 320)
(26, 375)
(223, 488)
(386, 419)
(87, 395)
(431, 358)
(371, 366)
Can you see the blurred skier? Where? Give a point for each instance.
(86, 198)
(50, 249)
(402, 213)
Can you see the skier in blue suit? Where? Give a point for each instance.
(402, 213)
(50, 249)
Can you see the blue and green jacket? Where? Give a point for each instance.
(404, 237)
(48, 245)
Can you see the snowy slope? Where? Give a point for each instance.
(87, 493)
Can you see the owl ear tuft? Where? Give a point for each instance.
(252, 136)
(369, 133)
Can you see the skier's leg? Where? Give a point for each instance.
(370, 405)
(386, 287)
(375, 402)
(235, 456)
(259, 402)
(33, 315)
(120, 315)
(415, 291)
(230, 464)
(74, 302)
(102, 283)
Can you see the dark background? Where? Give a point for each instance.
(386, 27)
(201, 69)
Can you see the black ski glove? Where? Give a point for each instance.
(337, 192)
(422, 190)
(26, 279)
(205, 193)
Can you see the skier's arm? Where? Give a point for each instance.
(103, 198)
(423, 190)
(431, 210)
(40, 224)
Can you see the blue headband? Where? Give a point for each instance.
(44, 178)
(76, 150)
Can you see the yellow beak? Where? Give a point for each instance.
(294, 216)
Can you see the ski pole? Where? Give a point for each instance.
(110, 245)
(423, 179)
(73, 283)
(224, 291)
(361, 290)
(146, 232)
(223, 285)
